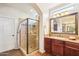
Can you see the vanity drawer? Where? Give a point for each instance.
(58, 42)
(71, 44)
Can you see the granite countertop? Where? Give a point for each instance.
(63, 39)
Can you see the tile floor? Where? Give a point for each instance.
(13, 52)
(18, 52)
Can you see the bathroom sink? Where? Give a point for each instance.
(72, 38)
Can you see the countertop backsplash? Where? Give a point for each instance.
(64, 35)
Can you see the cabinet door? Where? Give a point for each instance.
(47, 45)
(57, 48)
(70, 51)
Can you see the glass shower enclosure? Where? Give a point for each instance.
(29, 35)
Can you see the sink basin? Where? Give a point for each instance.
(72, 38)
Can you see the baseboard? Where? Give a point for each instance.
(16, 48)
(41, 50)
(23, 51)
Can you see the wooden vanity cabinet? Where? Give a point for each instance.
(53, 46)
(71, 49)
(61, 48)
(47, 45)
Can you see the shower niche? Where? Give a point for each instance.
(29, 35)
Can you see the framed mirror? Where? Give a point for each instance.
(65, 24)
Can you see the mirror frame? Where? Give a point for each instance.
(76, 24)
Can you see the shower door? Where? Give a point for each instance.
(29, 31)
(33, 33)
(23, 36)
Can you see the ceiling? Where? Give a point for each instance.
(25, 8)
(28, 9)
(46, 6)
